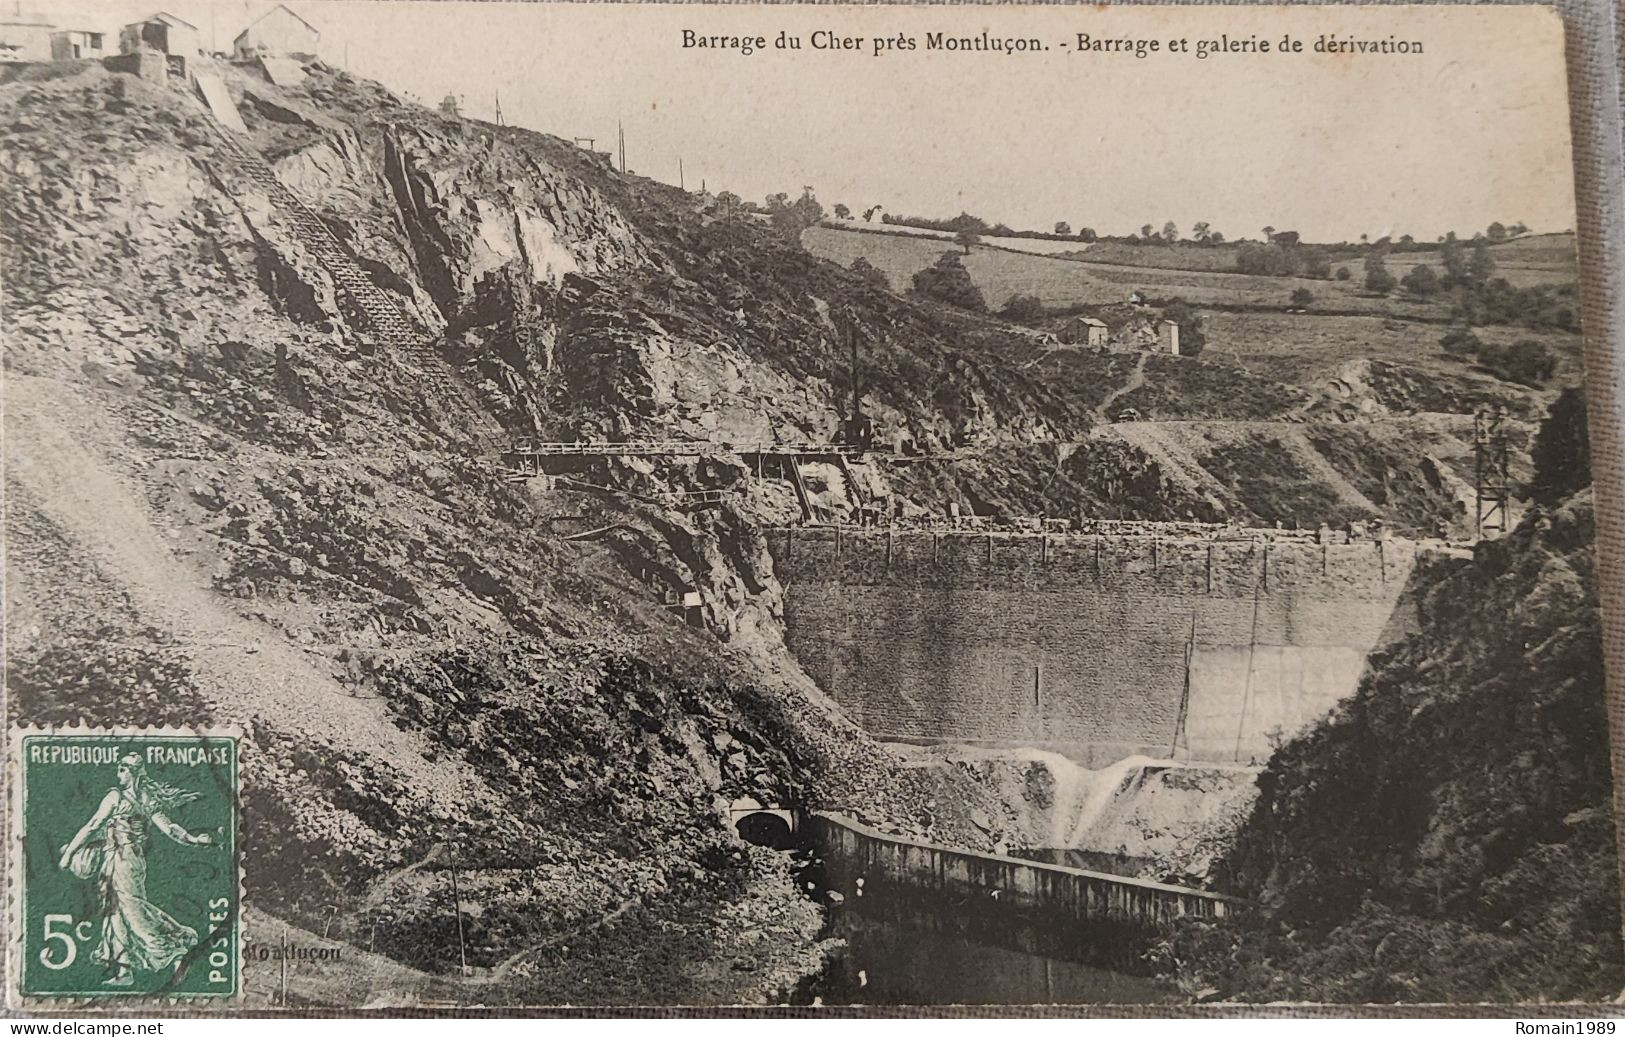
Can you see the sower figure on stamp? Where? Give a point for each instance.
(112, 849)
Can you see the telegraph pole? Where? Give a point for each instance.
(457, 904)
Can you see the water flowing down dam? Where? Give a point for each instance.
(1098, 647)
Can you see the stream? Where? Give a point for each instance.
(893, 962)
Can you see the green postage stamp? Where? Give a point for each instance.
(124, 866)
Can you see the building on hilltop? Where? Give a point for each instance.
(1168, 337)
(1084, 331)
(25, 36)
(279, 32)
(162, 32)
(73, 44)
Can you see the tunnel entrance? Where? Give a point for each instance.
(765, 829)
(761, 824)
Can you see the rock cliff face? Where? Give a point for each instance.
(229, 502)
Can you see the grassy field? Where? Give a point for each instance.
(1183, 255)
(1311, 350)
(1037, 246)
(1540, 259)
(1061, 282)
(1357, 349)
(1196, 274)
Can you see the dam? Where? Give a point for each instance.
(1201, 648)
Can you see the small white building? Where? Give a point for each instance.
(24, 36)
(1085, 331)
(73, 44)
(1168, 337)
(279, 32)
(162, 32)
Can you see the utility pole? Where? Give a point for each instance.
(1492, 483)
(457, 904)
(680, 183)
(499, 107)
(620, 134)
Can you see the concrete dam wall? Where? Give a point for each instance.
(1098, 647)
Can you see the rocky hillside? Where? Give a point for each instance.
(1448, 835)
(580, 303)
(227, 503)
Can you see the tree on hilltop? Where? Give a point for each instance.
(791, 218)
(1023, 309)
(870, 273)
(948, 281)
(1527, 362)
(1421, 281)
(1378, 280)
(1461, 342)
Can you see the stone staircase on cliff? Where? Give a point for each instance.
(385, 320)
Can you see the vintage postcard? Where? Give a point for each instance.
(513, 505)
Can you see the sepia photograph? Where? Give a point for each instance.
(797, 506)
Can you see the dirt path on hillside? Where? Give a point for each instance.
(1136, 379)
(1175, 460)
(1315, 463)
(351, 977)
(61, 451)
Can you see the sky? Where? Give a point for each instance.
(1474, 129)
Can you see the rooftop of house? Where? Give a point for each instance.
(166, 18)
(283, 8)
